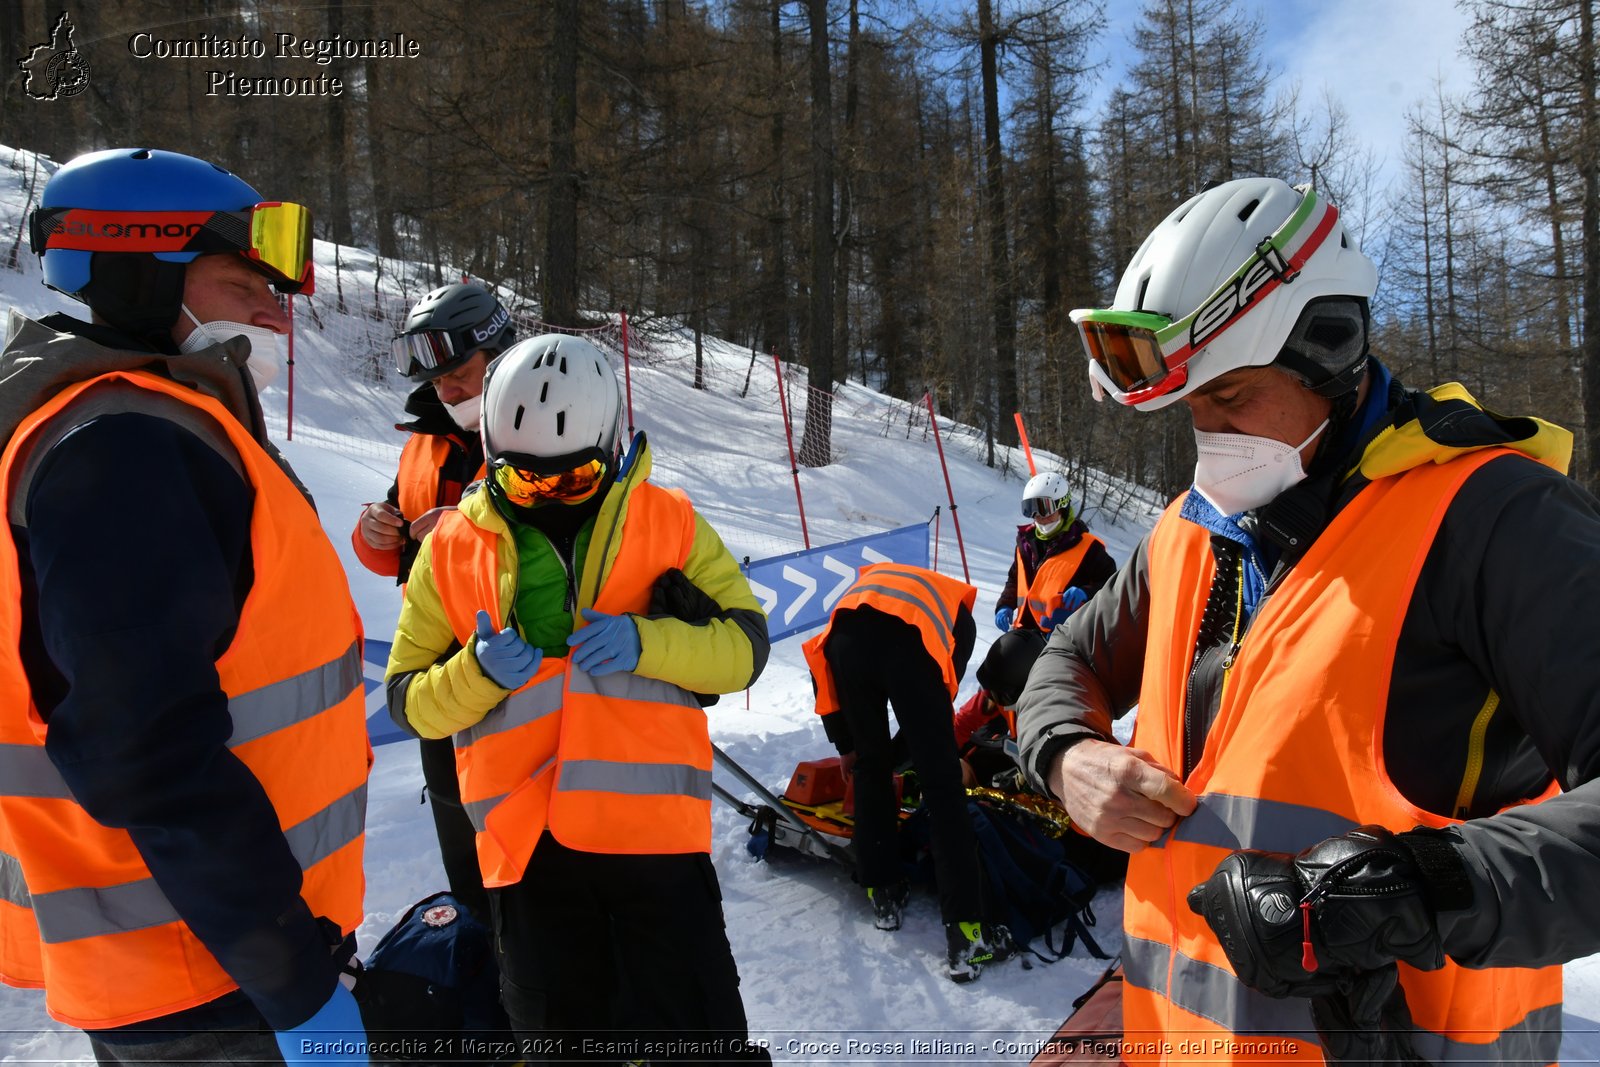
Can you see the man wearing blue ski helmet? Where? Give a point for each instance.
(181, 712)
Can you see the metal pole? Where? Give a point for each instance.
(949, 492)
(788, 433)
(289, 435)
(627, 369)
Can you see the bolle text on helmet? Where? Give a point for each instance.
(1267, 265)
(492, 327)
(134, 231)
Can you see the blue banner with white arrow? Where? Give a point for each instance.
(798, 590)
(380, 727)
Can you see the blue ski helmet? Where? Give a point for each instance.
(140, 292)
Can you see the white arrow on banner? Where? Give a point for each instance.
(846, 573)
(808, 587)
(872, 555)
(766, 594)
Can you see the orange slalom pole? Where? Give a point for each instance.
(1027, 449)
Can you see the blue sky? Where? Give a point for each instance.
(1376, 57)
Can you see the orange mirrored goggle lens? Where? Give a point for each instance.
(525, 488)
(1130, 355)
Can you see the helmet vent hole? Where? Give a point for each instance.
(143, 153)
(563, 364)
(561, 423)
(516, 423)
(1248, 210)
(1144, 286)
(544, 392)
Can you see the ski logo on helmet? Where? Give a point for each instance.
(494, 326)
(1236, 297)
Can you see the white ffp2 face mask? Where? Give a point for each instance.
(468, 414)
(263, 361)
(1237, 472)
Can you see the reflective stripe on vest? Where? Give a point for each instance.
(77, 902)
(72, 914)
(1291, 760)
(926, 599)
(616, 764)
(1042, 596)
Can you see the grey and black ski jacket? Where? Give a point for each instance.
(1506, 601)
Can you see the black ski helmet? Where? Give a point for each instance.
(447, 326)
(1004, 671)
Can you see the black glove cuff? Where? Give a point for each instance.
(1444, 873)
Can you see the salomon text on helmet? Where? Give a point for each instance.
(1046, 494)
(117, 229)
(447, 327)
(1249, 273)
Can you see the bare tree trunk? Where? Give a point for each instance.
(1004, 300)
(1589, 165)
(378, 157)
(844, 245)
(560, 289)
(816, 447)
(775, 301)
(338, 173)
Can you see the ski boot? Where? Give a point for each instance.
(888, 904)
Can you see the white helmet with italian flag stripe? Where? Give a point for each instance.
(1250, 272)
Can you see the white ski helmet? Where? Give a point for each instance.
(1245, 274)
(1046, 494)
(551, 403)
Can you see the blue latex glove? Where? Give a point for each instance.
(1072, 599)
(505, 657)
(334, 1035)
(1003, 617)
(609, 643)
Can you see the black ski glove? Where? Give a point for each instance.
(675, 595)
(1330, 923)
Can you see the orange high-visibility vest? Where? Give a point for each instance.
(926, 599)
(1294, 757)
(1042, 596)
(82, 915)
(614, 764)
(422, 485)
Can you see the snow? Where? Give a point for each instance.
(820, 983)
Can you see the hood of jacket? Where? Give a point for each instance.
(1447, 421)
(43, 358)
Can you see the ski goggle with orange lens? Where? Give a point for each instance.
(1144, 355)
(274, 236)
(526, 488)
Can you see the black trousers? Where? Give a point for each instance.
(458, 841)
(612, 958)
(877, 661)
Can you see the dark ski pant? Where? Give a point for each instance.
(601, 955)
(879, 660)
(237, 1044)
(458, 841)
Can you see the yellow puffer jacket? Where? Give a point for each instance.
(437, 688)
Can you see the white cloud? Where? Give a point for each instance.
(1377, 58)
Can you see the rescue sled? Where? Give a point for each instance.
(815, 815)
